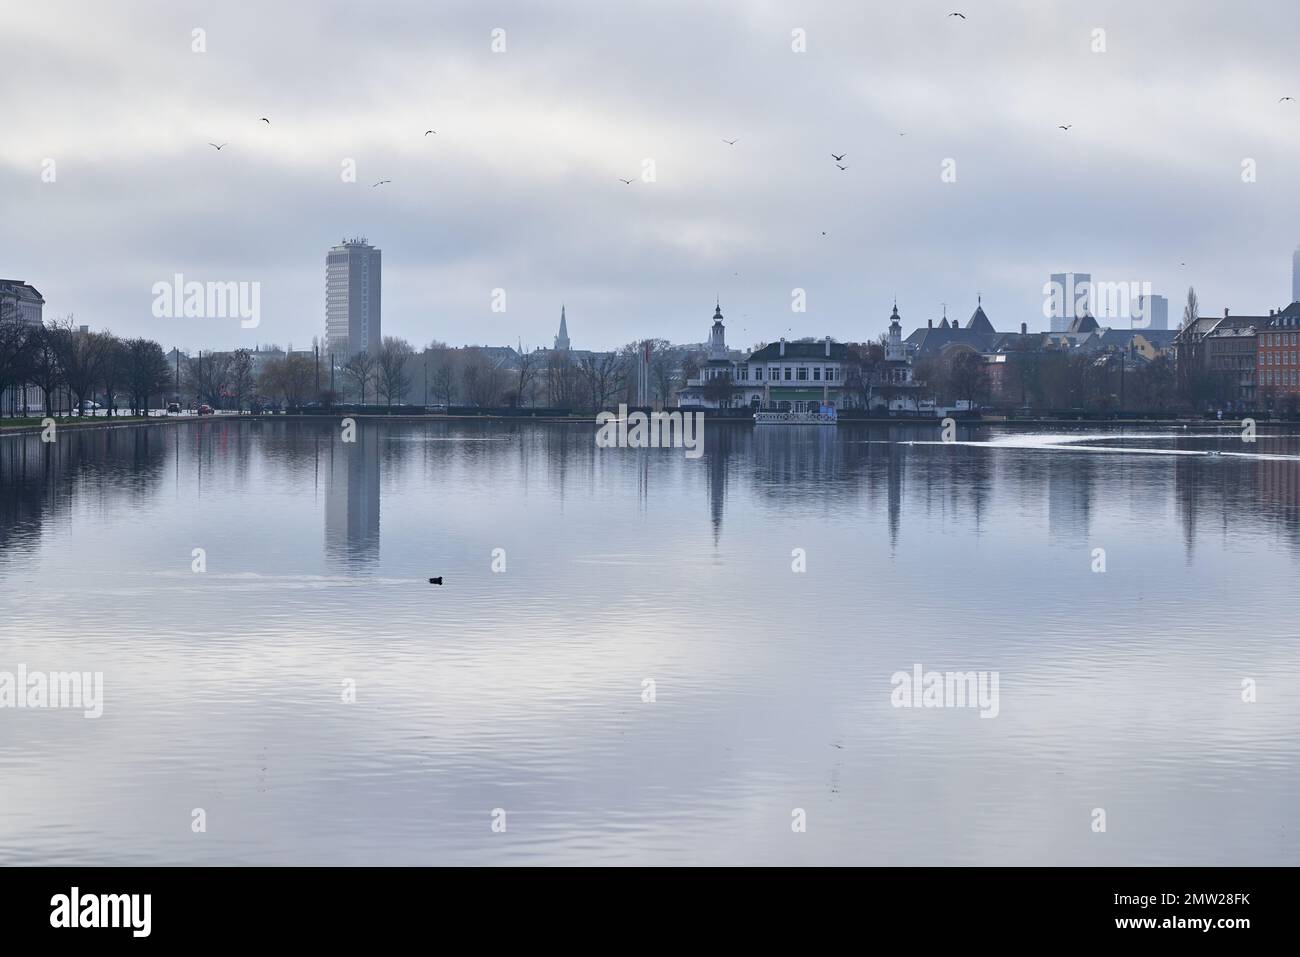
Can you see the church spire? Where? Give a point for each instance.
(562, 340)
(717, 336)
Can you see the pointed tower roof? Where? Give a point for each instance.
(979, 322)
(562, 340)
(1082, 324)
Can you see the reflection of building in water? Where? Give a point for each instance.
(894, 490)
(352, 499)
(1070, 490)
(722, 443)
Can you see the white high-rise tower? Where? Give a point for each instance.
(352, 271)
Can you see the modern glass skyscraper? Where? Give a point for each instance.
(352, 286)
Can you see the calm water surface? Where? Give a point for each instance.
(522, 689)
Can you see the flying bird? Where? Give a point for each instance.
(840, 158)
(266, 121)
(216, 147)
(436, 581)
(730, 142)
(381, 183)
(626, 181)
(902, 134)
(962, 15)
(841, 167)
(1285, 98)
(427, 132)
(1065, 127)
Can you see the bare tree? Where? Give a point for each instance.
(45, 370)
(290, 379)
(481, 378)
(147, 372)
(1191, 311)
(665, 362)
(443, 378)
(208, 376)
(562, 380)
(524, 374)
(240, 376)
(392, 379)
(112, 370)
(360, 369)
(17, 340)
(603, 375)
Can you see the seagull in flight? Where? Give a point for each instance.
(962, 15)
(841, 166)
(729, 142)
(1067, 128)
(840, 158)
(381, 183)
(216, 147)
(266, 121)
(1285, 98)
(627, 182)
(427, 132)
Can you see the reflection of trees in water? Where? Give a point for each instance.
(1233, 495)
(40, 480)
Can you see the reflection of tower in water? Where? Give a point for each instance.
(352, 499)
(719, 445)
(1070, 488)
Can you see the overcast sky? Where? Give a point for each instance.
(520, 187)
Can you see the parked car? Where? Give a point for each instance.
(205, 409)
(173, 408)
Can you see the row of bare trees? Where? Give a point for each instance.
(71, 367)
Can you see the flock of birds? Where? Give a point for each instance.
(837, 157)
(262, 119)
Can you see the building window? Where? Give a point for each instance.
(817, 373)
(803, 373)
(788, 374)
(774, 373)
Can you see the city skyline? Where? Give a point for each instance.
(519, 188)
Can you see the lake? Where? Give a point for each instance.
(638, 657)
